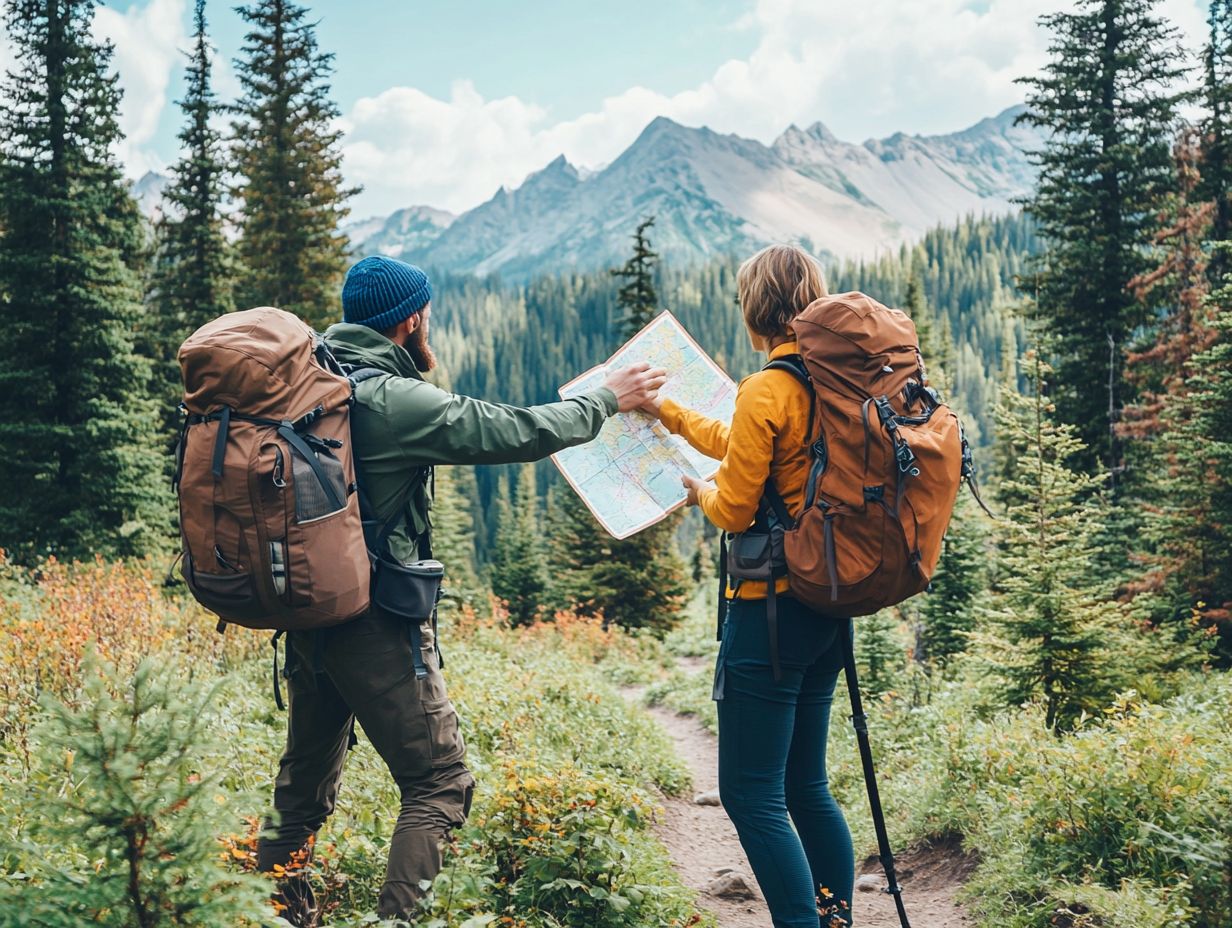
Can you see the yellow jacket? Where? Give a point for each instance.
(769, 438)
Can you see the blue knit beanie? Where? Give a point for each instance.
(380, 292)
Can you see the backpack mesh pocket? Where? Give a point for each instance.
(312, 500)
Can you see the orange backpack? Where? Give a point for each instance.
(269, 510)
(887, 463)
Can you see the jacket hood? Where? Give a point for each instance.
(360, 346)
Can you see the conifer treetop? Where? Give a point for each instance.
(1108, 102)
(637, 297)
(288, 162)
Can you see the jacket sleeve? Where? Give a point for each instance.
(430, 426)
(732, 503)
(709, 436)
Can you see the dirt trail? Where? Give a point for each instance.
(701, 840)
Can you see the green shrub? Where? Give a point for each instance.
(118, 822)
(555, 846)
(1141, 798)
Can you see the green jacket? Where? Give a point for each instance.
(401, 424)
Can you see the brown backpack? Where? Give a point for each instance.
(887, 463)
(269, 513)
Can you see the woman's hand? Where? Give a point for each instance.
(653, 406)
(695, 487)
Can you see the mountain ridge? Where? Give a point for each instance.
(714, 193)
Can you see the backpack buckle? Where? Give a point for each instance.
(885, 412)
(906, 459)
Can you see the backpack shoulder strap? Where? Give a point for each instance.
(358, 375)
(376, 531)
(792, 364)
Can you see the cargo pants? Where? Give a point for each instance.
(363, 671)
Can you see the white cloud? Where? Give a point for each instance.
(866, 68)
(149, 39)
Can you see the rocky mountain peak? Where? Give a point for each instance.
(816, 134)
(723, 194)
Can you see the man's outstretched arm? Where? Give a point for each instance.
(431, 426)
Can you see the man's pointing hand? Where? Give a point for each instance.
(635, 385)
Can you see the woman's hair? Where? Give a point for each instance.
(775, 286)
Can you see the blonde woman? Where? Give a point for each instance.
(773, 731)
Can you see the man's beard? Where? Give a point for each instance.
(420, 351)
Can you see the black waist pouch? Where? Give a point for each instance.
(409, 591)
(756, 554)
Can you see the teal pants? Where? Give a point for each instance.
(772, 760)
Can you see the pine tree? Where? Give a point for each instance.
(1175, 289)
(453, 534)
(1161, 422)
(288, 158)
(1212, 396)
(82, 468)
(645, 579)
(1188, 500)
(640, 582)
(123, 791)
(637, 297)
(1216, 127)
(1108, 100)
(577, 545)
(931, 336)
(1055, 629)
(193, 275)
(949, 608)
(518, 572)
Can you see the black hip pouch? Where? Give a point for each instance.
(409, 591)
(756, 554)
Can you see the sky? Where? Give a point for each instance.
(442, 102)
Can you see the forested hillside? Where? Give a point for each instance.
(518, 344)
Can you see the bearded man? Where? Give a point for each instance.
(381, 669)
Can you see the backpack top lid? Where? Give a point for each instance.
(260, 362)
(858, 318)
(853, 333)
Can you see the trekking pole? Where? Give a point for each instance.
(860, 722)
